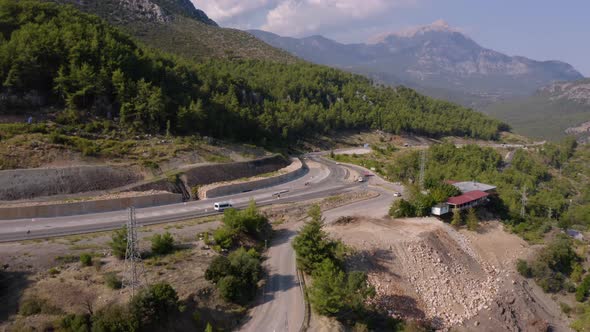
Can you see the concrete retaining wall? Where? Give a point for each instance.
(86, 207)
(290, 173)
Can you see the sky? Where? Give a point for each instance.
(538, 29)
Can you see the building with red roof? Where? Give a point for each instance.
(464, 201)
(469, 199)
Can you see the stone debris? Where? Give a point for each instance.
(452, 284)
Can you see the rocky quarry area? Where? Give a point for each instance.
(425, 270)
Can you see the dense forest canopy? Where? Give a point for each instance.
(53, 55)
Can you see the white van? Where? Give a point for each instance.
(220, 206)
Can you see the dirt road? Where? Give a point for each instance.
(281, 307)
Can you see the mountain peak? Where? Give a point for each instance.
(436, 26)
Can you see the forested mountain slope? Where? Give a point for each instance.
(557, 110)
(176, 26)
(56, 56)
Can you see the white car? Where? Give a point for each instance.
(221, 206)
(361, 179)
(397, 194)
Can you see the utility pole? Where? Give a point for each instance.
(422, 169)
(133, 266)
(523, 201)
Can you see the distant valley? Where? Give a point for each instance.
(554, 111)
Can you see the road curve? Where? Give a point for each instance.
(281, 305)
(322, 180)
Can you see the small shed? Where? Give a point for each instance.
(440, 209)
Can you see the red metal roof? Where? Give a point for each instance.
(467, 197)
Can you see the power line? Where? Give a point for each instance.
(133, 266)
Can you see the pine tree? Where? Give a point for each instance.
(312, 245)
(472, 220)
(457, 220)
(209, 328)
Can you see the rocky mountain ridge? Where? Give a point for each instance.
(436, 59)
(578, 91)
(177, 26)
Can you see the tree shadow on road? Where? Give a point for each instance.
(282, 236)
(276, 283)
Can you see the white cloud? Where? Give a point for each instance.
(226, 10)
(300, 17)
(296, 17)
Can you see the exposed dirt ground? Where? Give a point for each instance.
(423, 269)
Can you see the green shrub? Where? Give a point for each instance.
(34, 305)
(229, 288)
(565, 308)
(523, 268)
(248, 221)
(219, 267)
(583, 289)
(118, 242)
(237, 275)
(553, 264)
(114, 318)
(154, 306)
(162, 244)
(112, 280)
(577, 273)
(53, 271)
(559, 255)
(472, 220)
(582, 322)
(457, 218)
(86, 259)
(224, 237)
(334, 292)
(402, 209)
(75, 323)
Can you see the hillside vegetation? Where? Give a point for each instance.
(556, 110)
(539, 116)
(56, 56)
(175, 26)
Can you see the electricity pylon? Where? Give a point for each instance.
(133, 266)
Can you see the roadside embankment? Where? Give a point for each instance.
(32, 183)
(186, 178)
(62, 209)
(296, 169)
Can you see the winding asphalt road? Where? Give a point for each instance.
(322, 180)
(281, 306)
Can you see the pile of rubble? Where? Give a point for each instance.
(450, 281)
